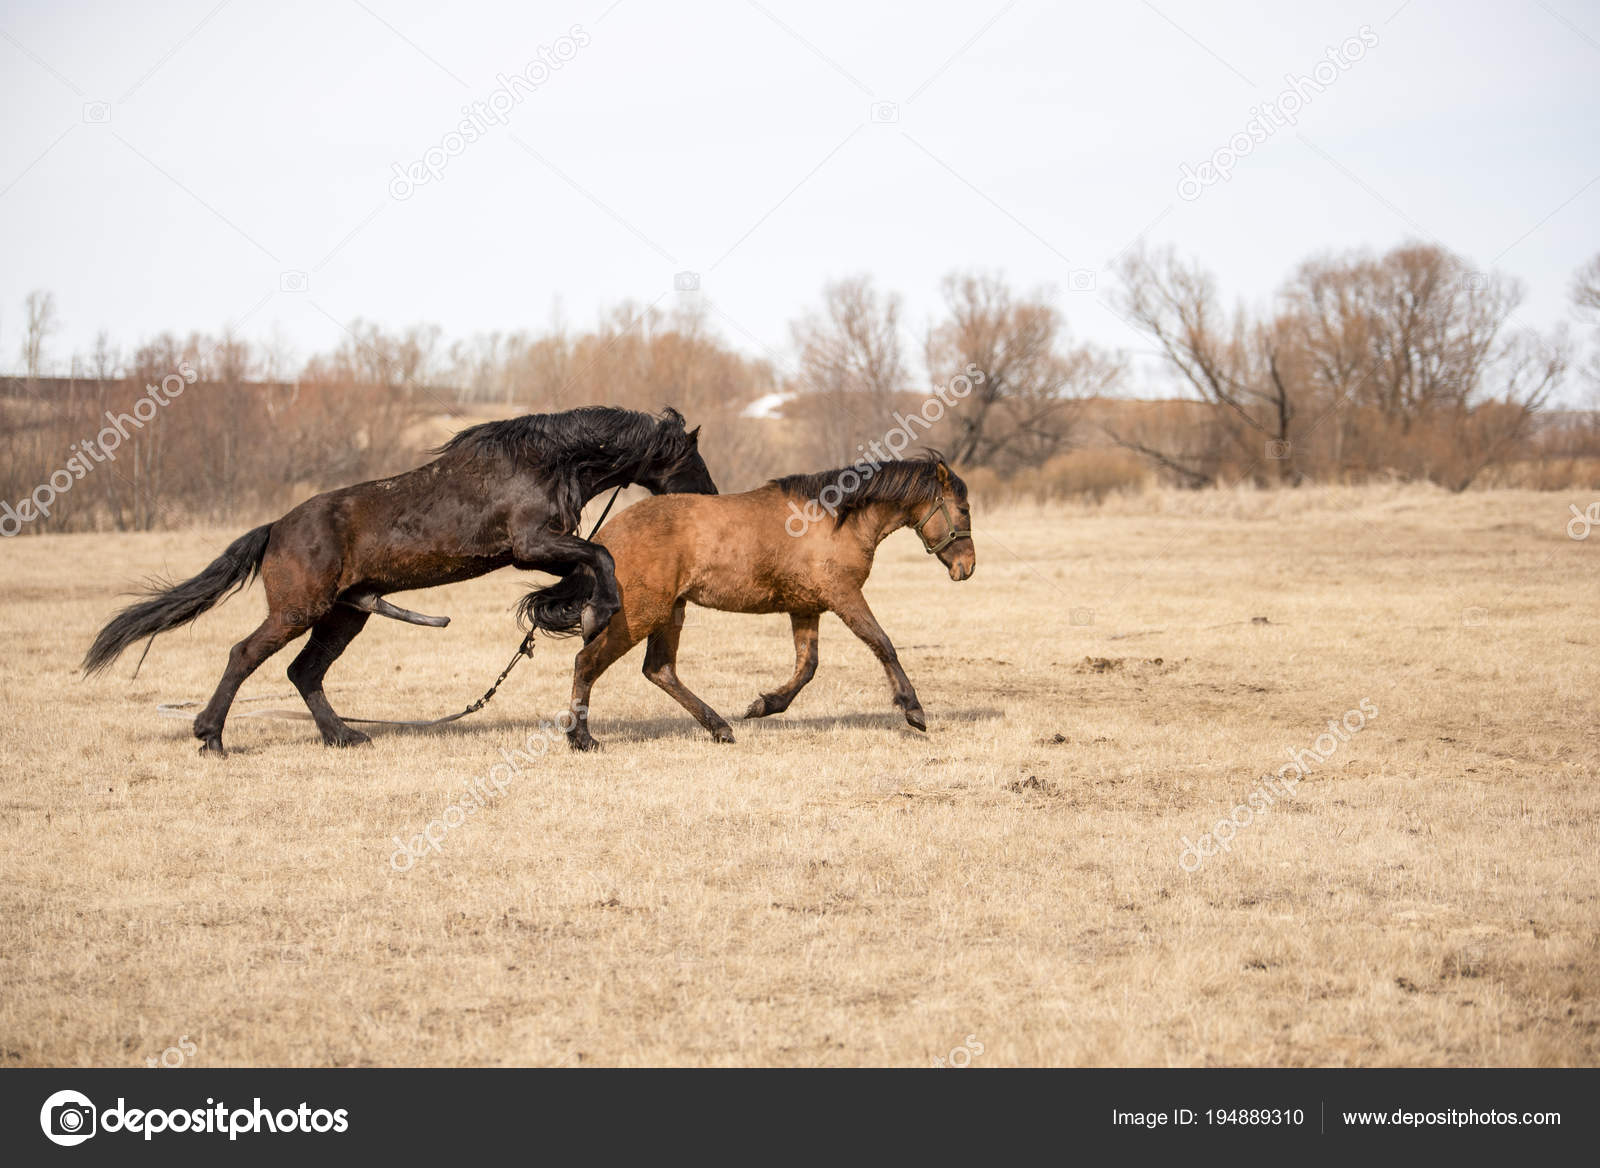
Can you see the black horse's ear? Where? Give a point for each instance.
(694, 436)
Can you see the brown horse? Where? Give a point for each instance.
(760, 551)
(498, 494)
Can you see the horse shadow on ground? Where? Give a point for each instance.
(639, 730)
(665, 726)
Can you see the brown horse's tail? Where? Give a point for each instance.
(171, 605)
(558, 609)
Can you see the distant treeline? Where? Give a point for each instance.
(1408, 365)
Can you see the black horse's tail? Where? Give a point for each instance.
(557, 609)
(171, 605)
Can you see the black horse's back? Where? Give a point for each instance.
(171, 605)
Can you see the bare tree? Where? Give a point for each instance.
(39, 322)
(851, 366)
(1028, 396)
(1404, 362)
(1243, 369)
(105, 359)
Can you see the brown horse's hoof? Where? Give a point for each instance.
(584, 742)
(723, 734)
(915, 717)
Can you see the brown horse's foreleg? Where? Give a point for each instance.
(859, 620)
(661, 667)
(594, 659)
(805, 668)
(280, 627)
(330, 636)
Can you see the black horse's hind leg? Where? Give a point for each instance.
(280, 627)
(330, 636)
(661, 667)
(805, 668)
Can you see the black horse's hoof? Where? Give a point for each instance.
(212, 747)
(582, 742)
(347, 737)
(596, 618)
(723, 733)
(758, 708)
(915, 717)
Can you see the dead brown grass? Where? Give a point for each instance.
(834, 888)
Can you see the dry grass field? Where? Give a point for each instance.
(834, 888)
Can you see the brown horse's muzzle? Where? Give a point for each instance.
(963, 562)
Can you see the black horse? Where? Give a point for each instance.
(498, 494)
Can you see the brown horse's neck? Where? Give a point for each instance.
(877, 521)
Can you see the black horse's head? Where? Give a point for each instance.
(672, 464)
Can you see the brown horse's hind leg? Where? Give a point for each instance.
(859, 620)
(594, 659)
(805, 668)
(661, 667)
(280, 627)
(330, 636)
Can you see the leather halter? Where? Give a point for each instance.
(941, 506)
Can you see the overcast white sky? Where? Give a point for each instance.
(243, 140)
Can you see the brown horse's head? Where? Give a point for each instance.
(675, 466)
(945, 527)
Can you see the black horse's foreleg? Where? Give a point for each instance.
(805, 668)
(560, 555)
(280, 627)
(330, 636)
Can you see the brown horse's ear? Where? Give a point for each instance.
(943, 473)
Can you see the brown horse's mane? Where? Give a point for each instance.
(906, 480)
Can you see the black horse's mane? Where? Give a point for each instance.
(589, 443)
(907, 480)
